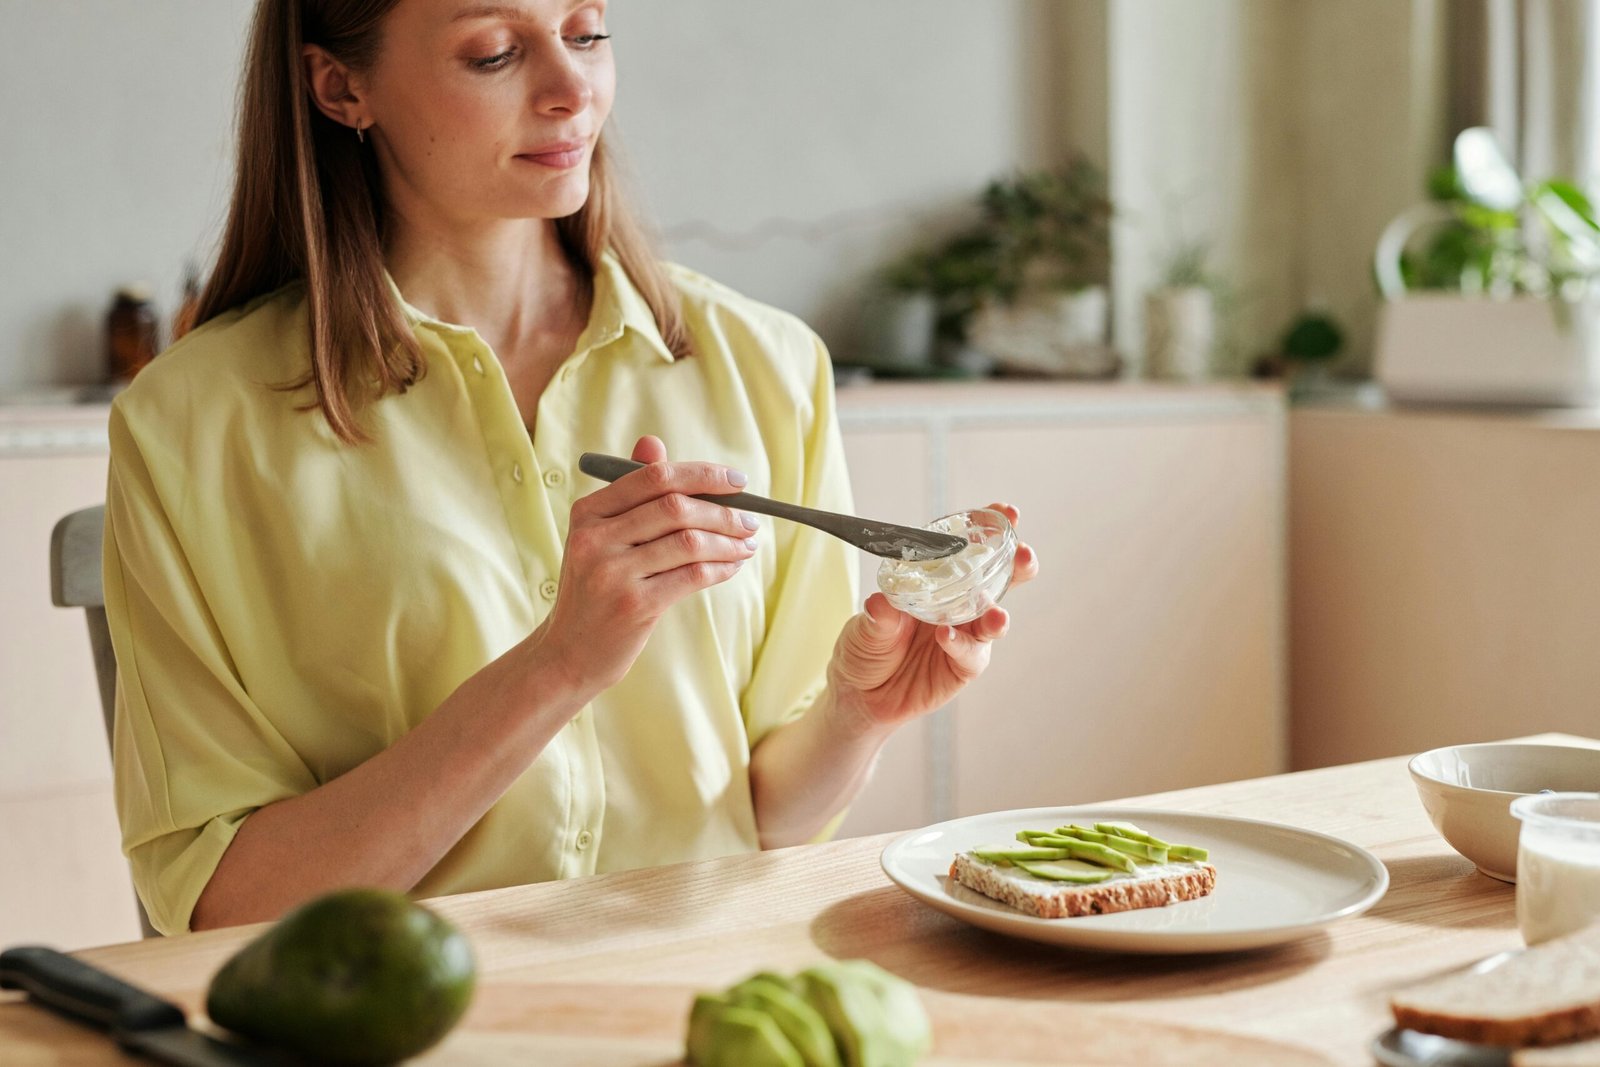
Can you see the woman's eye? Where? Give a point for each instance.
(494, 62)
(588, 40)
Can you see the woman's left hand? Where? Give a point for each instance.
(889, 668)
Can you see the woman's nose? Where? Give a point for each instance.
(562, 84)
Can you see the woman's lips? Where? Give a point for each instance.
(558, 156)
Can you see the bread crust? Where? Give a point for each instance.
(1548, 994)
(1552, 1028)
(1073, 900)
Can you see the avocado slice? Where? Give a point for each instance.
(1130, 831)
(746, 1037)
(798, 1020)
(1139, 850)
(1006, 856)
(1066, 871)
(876, 1018)
(358, 976)
(707, 1006)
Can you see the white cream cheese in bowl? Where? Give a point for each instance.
(1558, 864)
(958, 588)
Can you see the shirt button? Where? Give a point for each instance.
(554, 478)
(547, 589)
(477, 364)
(585, 839)
(516, 473)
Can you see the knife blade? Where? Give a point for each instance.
(138, 1021)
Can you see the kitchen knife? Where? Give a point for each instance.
(140, 1022)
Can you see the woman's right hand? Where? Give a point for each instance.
(635, 548)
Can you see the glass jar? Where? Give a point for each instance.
(958, 588)
(1558, 864)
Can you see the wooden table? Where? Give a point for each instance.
(599, 972)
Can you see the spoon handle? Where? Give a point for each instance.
(879, 538)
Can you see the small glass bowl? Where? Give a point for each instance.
(956, 589)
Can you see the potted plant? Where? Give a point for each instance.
(1049, 236)
(1180, 317)
(1499, 305)
(903, 316)
(1309, 346)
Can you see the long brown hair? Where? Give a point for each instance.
(307, 205)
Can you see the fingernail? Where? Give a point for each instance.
(738, 478)
(750, 544)
(748, 521)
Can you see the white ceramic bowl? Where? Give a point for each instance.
(1468, 789)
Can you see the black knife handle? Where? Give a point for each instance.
(74, 988)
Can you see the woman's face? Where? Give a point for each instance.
(490, 110)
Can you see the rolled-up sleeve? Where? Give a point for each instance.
(192, 754)
(814, 589)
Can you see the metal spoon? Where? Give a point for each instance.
(880, 538)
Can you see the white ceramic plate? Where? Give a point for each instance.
(1275, 883)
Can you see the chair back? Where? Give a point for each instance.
(75, 583)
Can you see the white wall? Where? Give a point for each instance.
(1201, 111)
(1372, 124)
(114, 156)
(785, 148)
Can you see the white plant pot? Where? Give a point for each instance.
(1050, 333)
(1455, 348)
(1180, 327)
(900, 330)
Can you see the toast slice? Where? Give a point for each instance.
(1150, 886)
(1581, 1054)
(1546, 995)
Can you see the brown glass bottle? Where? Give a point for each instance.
(130, 332)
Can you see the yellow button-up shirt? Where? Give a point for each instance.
(284, 606)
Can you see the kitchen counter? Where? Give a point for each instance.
(601, 971)
(996, 400)
(71, 419)
(67, 420)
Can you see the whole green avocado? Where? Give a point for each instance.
(358, 977)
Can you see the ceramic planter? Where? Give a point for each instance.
(1050, 333)
(1179, 327)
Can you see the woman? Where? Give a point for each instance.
(372, 625)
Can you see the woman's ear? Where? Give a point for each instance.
(335, 88)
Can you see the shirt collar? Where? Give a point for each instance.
(617, 308)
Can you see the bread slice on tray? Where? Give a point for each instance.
(1150, 886)
(1546, 995)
